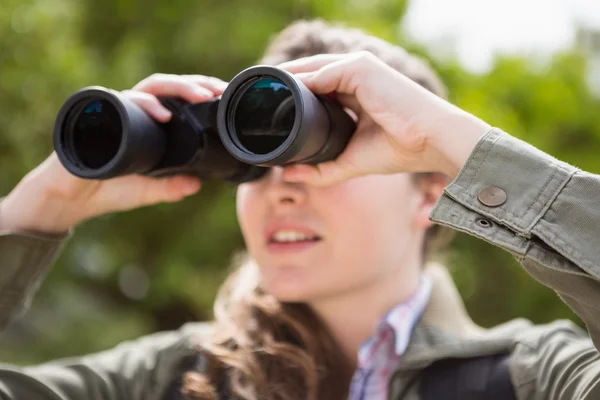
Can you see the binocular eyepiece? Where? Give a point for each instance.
(265, 117)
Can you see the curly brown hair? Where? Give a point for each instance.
(263, 348)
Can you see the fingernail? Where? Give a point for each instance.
(191, 186)
(202, 92)
(304, 76)
(164, 114)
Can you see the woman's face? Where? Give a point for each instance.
(314, 243)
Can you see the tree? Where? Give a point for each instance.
(155, 268)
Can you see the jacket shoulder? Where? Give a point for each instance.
(555, 360)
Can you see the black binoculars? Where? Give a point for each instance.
(265, 117)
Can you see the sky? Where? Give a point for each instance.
(475, 29)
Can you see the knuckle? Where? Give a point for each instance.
(149, 99)
(157, 76)
(136, 94)
(150, 80)
(365, 57)
(190, 86)
(207, 82)
(169, 189)
(216, 80)
(190, 78)
(128, 93)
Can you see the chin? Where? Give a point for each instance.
(291, 282)
(292, 293)
(290, 290)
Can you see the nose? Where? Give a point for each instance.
(282, 193)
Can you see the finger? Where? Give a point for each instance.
(343, 75)
(171, 189)
(332, 78)
(351, 102)
(131, 191)
(149, 104)
(174, 85)
(312, 63)
(215, 85)
(323, 174)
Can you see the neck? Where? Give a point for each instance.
(353, 316)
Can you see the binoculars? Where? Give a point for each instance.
(265, 117)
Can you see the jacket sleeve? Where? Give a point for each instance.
(547, 214)
(138, 370)
(143, 369)
(25, 259)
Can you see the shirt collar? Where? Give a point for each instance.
(403, 317)
(401, 320)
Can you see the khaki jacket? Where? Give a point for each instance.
(545, 212)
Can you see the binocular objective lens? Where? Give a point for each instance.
(264, 115)
(94, 133)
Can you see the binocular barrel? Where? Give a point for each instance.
(266, 117)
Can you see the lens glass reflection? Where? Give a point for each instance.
(96, 133)
(264, 115)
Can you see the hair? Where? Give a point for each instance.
(263, 348)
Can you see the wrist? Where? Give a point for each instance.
(31, 207)
(455, 140)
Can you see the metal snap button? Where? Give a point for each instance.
(492, 196)
(484, 223)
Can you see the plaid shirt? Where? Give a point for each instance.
(379, 355)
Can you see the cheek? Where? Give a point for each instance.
(373, 203)
(249, 207)
(372, 217)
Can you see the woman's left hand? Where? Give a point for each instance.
(402, 127)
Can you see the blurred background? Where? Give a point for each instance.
(531, 67)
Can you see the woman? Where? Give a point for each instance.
(333, 300)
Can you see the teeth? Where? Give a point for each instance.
(291, 236)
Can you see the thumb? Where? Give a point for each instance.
(168, 189)
(341, 76)
(324, 81)
(136, 191)
(323, 174)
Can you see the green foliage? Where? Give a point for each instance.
(175, 256)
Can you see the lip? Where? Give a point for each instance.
(277, 226)
(291, 247)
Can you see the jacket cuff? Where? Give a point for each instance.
(25, 259)
(505, 181)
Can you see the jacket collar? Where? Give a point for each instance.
(446, 329)
(446, 309)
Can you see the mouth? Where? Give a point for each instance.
(292, 240)
(292, 236)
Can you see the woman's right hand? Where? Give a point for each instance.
(50, 199)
